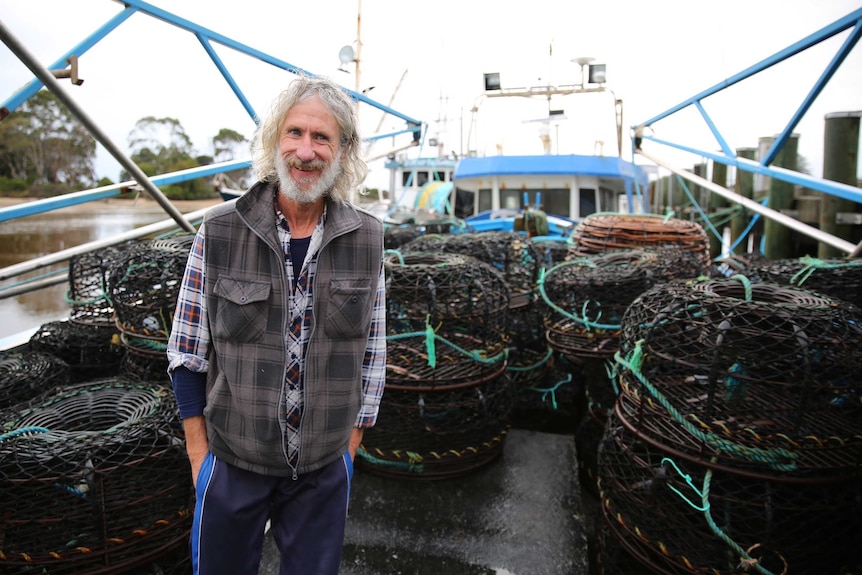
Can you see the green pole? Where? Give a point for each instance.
(779, 239)
(744, 186)
(840, 162)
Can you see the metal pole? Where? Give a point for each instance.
(750, 204)
(51, 83)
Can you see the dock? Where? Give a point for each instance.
(520, 515)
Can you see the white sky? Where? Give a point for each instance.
(657, 53)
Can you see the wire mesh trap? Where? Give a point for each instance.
(677, 516)
(760, 377)
(446, 355)
(588, 296)
(144, 288)
(458, 299)
(24, 375)
(91, 351)
(604, 232)
(839, 278)
(88, 292)
(438, 433)
(510, 252)
(94, 478)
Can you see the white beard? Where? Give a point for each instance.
(292, 190)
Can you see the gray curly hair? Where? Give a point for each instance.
(265, 140)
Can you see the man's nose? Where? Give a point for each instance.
(305, 151)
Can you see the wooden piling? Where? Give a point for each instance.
(717, 203)
(840, 162)
(744, 186)
(780, 239)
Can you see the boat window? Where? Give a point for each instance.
(586, 202)
(608, 200)
(419, 179)
(484, 200)
(556, 202)
(510, 200)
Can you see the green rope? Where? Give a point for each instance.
(779, 459)
(429, 342)
(22, 431)
(411, 465)
(746, 284)
(746, 559)
(814, 264)
(397, 254)
(536, 365)
(581, 319)
(429, 335)
(552, 391)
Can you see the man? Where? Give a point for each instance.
(277, 352)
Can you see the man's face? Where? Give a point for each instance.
(309, 152)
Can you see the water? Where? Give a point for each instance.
(43, 234)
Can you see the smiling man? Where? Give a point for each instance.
(277, 352)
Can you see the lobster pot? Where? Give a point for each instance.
(599, 399)
(554, 405)
(552, 250)
(518, 259)
(463, 300)
(91, 351)
(144, 360)
(88, 283)
(837, 277)
(510, 252)
(611, 557)
(605, 232)
(755, 377)
(676, 515)
(394, 237)
(144, 288)
(447, 402)
(529, 369)
(587, 298)
(426, 433)
(27, 374)
(94, 479)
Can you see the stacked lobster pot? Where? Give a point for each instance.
(94, 479)
(519, 260)
(88, 342)
(144, 287)
(448, 401)
(836, 277)
(735, 444)
(608, 232)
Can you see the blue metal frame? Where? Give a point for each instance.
(206, 37)
(852, 21)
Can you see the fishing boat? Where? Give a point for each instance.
(495, 190)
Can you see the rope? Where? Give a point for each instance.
(746, 560)
(22, 431)
(431, 337)
(582, 319)
(412, 465)
(545, 391)
(814, 264)
(779, 459)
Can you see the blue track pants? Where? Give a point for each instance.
(307, 517)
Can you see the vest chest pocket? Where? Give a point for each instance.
(348, 309)
(241, 314)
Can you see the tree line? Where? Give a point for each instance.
(45, 151)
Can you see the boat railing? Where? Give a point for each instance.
(644, 132)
